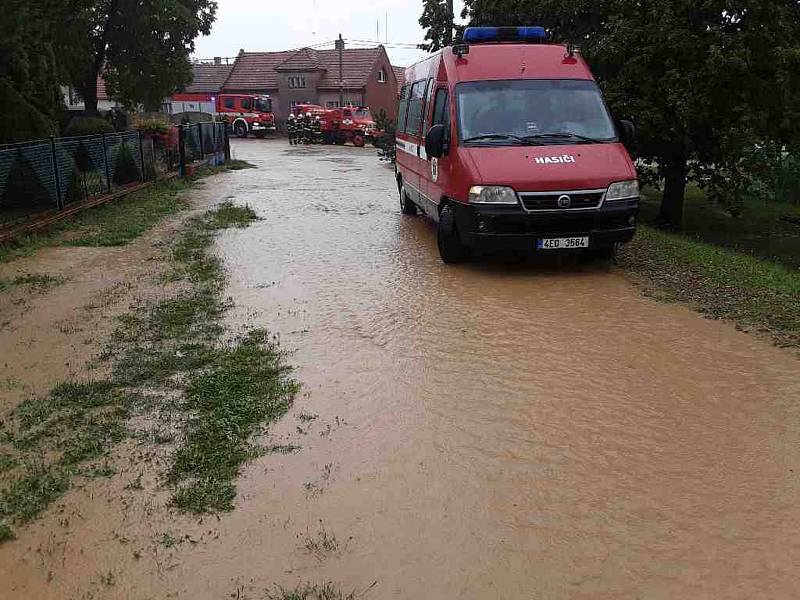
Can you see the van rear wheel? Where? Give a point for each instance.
(450, 247)
(240, 129)
(407, 207)
(358, 140)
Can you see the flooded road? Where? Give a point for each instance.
(513, 431)
(481, 431)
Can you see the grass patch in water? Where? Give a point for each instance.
(721, 283)
(49, 440)
(325, 591)
(38, 282)
(245, 385)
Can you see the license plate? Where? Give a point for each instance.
(565, 243)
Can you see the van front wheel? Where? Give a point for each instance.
(450, 247)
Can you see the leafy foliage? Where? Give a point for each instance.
(87, 126)
(141, 48)
(437, 21)
(23, 187)
(125, 168)
(30, 97)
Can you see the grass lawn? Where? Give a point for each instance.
(762, 230)
(118, 222)
(746, 270)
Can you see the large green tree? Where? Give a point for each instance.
(141, 47)
(438, 21)
(30, 98)
(704, 80)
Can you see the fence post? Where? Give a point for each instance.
(200, 137)
(182, 149)
(105, 161)
(227, 144)
(214, 141)
(141, 153)
(59, 200)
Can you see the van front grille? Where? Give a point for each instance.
(585, 199)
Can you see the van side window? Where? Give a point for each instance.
(415, 105)
(228, 102)
(426, 113)
(403, 108)
(441, 108)
(246, 104)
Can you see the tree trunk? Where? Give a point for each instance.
(88, 93)
(448, 36)
(671, 213)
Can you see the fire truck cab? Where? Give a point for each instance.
(247, 113)
(505, 141)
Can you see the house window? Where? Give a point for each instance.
(381, 76)
(332, 104)
(297, 81)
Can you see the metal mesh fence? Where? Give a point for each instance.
(205, 141)
(46, 175)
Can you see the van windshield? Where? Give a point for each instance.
(560, 111)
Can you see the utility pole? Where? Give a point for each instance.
(448, 36)
(340, 48)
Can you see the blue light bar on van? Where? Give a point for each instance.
(477, 35)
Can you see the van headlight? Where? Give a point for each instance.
(492, 194)
(623, 190)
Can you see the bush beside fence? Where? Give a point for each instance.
(50, 175)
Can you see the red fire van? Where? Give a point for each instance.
(506, 142)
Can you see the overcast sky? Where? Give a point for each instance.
(284, 24)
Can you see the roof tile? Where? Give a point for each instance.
(259, 70)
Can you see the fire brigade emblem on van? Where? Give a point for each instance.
(554, 160)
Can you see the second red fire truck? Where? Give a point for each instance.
(247, 113)
(352, 124)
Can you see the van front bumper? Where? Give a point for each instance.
(512, 228)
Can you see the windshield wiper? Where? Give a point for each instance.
(567, 136)
(503, 136)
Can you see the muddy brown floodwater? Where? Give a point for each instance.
(485, 431)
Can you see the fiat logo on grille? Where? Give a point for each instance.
(564, 201)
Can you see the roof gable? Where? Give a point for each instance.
(259, 70)
(304, 59)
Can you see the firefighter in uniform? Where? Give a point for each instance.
(307, 135)
(316, 131)
(291, 129)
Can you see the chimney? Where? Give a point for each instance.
(218, 60)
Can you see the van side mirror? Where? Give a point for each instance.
(627, 131)
(436, 141)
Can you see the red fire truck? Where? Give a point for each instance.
(247, 113)
(341, 125)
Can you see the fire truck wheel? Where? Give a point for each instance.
(450, 247)
(358, 140)
(240, 129)
(407, 207)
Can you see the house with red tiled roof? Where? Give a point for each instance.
(201, 94)
(73, 101)
(400, 75)
(312, 76)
